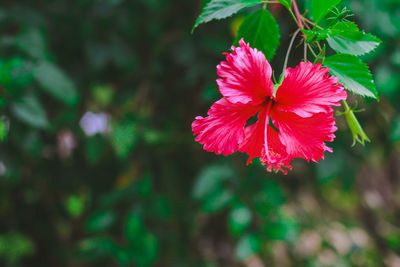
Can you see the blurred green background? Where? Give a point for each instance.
(98, 165)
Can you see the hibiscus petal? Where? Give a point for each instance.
(254, 145)
(305, 137)
(223, 129)
(308, 89)
(246, 75)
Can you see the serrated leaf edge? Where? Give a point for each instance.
(372, 95)
(196, 24)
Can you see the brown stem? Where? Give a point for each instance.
(297, 12)
(312, 23)
(289, 49)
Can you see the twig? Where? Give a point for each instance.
(312, 51)
(297, 12)
(289, 49)
(312, 23)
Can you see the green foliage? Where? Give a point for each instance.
(353, 73)
(100, 221)
(123, 138)
(316, 35)
(14, 247)
(144, 242)
(321, 8)
(261, 31)
(147, 250)
(285, 228)
(247, 246)
(345, 37)
(140, 192)
(217, 200)
(98, 247)
(210, 190)
(3, 130)
(103, 95)
(286, 3)
(31, 42)
(15, 73)
(134, 227)
(239, 219)
(210, 180)
(55, 82)
(75, 205)
(220, 9)
(269, 198)
(29, 110)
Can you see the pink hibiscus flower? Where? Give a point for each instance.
(300, 111)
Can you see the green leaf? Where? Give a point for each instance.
(162, 207)
(239, 219)
(210, 180)
(32, 43)
(54, 81)
(144, 186)
(315, 35)
(247, 246)
(217, 201)
(269, 198)
(204, 3)
(3, 130)
(123, 138)
(346, 29)
(15, 73)
(103, 95)
(285, 229)
(345, 37)
(75, 205)
(359, 47)
(353, 73)
(145, 251)
(143, 245)
(286, 3)
(123, 255)
(149, 250)
(392, 238)
(98, 247)
(100, 221)
(219, 9)
(30, 111)
(320, 8)
(261, 31)
(133, 228)
(15, 246)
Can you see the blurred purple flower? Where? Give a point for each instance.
(94, 123)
